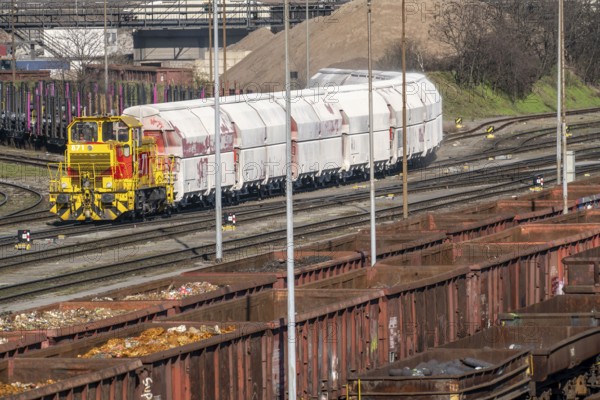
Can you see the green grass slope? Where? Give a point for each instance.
(483, 102)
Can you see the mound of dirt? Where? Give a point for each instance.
(341, 40)
(253, 41)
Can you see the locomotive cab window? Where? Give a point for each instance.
(115, 131)
(108, 132)
(84, 132)
(138, 136)
(123, 135)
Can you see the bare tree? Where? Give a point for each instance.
(80, 47)
(416, 58)
(510, 44)
(582, 39)
(464, 26)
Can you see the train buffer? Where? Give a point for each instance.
(24, 241)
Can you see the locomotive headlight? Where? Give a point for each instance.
(107, 182)
(64, 185)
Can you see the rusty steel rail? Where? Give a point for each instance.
(182, 257)
(38, 198)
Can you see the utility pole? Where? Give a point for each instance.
(559, 94)
(218, 211)
(105, 60)
(563, 116)
(307, 48)
(404, 152)
(210, 55)
(225, 85)
(371, 139)
(13, 47)
(289, 212)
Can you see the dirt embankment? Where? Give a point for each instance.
(339, 40)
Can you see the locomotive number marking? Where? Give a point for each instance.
(80, 147)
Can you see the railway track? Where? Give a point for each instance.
(18, 199)
(501, 123)
(178, 258)
(427, 182)
(74, 229)
(171, 260)
(517, 174)
(204, 220)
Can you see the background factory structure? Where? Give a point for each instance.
(65, 35)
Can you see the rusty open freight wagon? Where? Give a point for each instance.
(559, 240)
(583, 272)
(507, 272)
(585, 216)
(332, 337)
(457, 226)
(422, 307)
(171, 292)
(318, 263)
(97, 317)
(309, 265)
(72, 379)
(522, 209)
(581, 192)
(214, 367)
(400, 243)
(505, 378)
(569, 309)
(13, 343)
(561, 360)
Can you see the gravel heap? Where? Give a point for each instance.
(340, 40)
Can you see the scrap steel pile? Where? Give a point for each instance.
(185, 290)
(56, 318)
(434, 367)
(154, 340)
(7, 389)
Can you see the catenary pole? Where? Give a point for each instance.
(371, 140)
(14, 49)
(225, 83)
(563, 117)
(105, 60)
(291, 311)
(559, 95)
(210, 44)
(307, 48)
(218, 211)
(404, 152)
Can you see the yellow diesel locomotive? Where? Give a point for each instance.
(110, 170)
